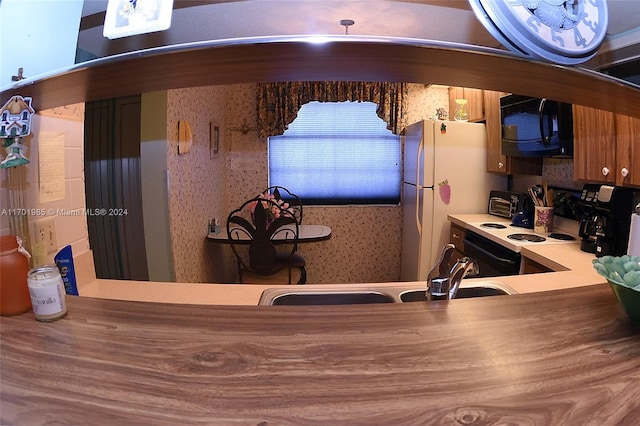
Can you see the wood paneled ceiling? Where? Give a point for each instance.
(444, 20)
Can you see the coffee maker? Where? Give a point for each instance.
(606, 219)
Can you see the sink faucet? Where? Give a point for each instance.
(443, 284)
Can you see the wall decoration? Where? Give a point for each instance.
(15, 122)
(564, 32)
(15, 117)
(185, 137)
(129, 17)
(444, 189)
(214, 140)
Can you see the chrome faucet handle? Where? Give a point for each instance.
(439, 289)
(463, 268)
(438, 278)
(441, 267)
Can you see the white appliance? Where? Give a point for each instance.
(445, 172)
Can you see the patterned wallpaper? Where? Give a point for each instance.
(366, 240)
(365, 246)
(365, 243)
(196, 192)
(559, 172)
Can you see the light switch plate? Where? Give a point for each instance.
(45, 234)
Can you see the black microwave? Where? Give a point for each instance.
(536, 127)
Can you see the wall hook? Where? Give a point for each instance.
(19, 76)
(244, 127)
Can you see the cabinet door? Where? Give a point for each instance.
(475, 104)
(530, 266)
(496, 162)
(454, 93)
(593, 145)
(627, 150)
(456, 237)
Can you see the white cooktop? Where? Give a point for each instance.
(500, 236)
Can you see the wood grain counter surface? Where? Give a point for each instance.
(565, 357)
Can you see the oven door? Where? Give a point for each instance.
(493, 259)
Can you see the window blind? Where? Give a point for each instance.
(337, 153)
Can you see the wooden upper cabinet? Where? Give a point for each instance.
(594, 145)
(475, 102)
(496, 161)
(627, 150)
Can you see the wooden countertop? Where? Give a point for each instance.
(564, 357)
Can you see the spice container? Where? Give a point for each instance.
(14, 266)
(47, 293)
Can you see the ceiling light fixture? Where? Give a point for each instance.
(346, 23)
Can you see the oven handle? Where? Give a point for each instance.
(488, 253)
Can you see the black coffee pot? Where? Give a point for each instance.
(592, 227)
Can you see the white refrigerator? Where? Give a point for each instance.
(445, 172)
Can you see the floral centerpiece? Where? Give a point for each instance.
(269, 206)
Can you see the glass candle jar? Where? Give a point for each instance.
(47, 293)
(461, 113)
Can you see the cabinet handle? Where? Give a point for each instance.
(456, 236)
(605, 171)
(500, 165)
(624, 172)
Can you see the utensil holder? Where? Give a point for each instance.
(543, 220)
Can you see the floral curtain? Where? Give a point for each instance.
(278, 103)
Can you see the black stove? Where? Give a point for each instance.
(493, 225)
(527, 237)
(559, 236)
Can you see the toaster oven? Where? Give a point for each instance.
(504, 203)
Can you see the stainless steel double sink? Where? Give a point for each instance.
(375, 294)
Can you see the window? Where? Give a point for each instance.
(337, 153)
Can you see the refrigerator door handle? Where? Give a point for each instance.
(418, 187)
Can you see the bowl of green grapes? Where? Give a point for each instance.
(623, 275)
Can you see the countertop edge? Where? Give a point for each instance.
(577, 273)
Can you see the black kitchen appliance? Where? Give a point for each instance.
(604, 226)
(536, 127)
(493, 259)
(513, 205)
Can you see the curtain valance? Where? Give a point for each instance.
(278, 103)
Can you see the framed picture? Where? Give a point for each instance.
(129, 17)
(214, 140)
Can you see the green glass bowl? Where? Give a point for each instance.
(623, 275)
(628, 298)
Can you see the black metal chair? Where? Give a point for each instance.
(282, 193)
(295, 206)
(254, 230)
